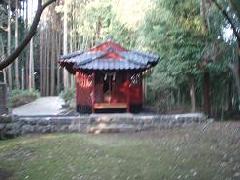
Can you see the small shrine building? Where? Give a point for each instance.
(108, 77)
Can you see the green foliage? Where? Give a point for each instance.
(175, 30)
(236, 6)
(20, 97)
(98, 20)
(178, 41)
(68, 95)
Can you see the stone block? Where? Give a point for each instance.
(43, 122)
(74, 128)
(2, 126)
(27, 129)
(5, 119)
(63, 128)
(10, 134)
(32, 122)
(9, 126)
(47, 129)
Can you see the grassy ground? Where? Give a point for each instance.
(202, 152)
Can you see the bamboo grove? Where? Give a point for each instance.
(199, 66)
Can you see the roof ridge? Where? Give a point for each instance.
(92, 58)
(71, 55)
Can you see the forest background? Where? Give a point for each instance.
(197, 41)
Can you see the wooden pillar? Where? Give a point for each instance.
(110, 89)
(77, 90)
(143, 85)
(128, 92)
(93, 92)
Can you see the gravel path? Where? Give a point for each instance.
(41, 106)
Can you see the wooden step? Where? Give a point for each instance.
(110, 106)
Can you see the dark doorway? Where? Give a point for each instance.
(108, 84)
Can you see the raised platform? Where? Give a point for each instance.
(110, 106)
(98, 123)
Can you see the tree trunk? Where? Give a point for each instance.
(9, 45)
(206, 89)
(41, 62)
(237, 77)
(47, 61)
(53, 55)
(235, 68)
(27, 50)
(206, 81)
(192, 94)
(58, 70)
(31, 64)
(31, 61)
(17, 82)
(22, 78)
(71, 80)
(31, 67)
(229, 98)
(65, 44)
(203, 11)
(44, 62)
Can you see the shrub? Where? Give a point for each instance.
(68, 95)
(20, 97)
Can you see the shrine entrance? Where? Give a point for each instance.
(108, 86)
(110, 90)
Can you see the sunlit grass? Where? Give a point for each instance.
(191, 153)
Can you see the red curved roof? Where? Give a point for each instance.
(108, 56)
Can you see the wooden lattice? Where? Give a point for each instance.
(135, 79)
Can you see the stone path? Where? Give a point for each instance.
(42, 106)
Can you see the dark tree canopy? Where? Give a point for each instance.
(10, 59)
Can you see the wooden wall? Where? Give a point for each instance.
(86, 83)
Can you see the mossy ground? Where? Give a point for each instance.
(200, 152)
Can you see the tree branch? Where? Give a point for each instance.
(10, 59)
(47, 4)
(225, 14)
(3, 29)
